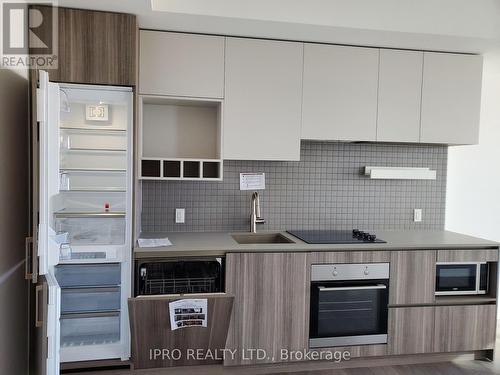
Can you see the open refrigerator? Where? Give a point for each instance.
(83, 241)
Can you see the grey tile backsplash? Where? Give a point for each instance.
(326, 189)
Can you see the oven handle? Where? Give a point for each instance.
(378, 286)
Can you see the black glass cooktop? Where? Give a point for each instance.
(335, 236)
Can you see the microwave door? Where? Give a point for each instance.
(456, 279)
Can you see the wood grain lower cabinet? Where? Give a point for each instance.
(464, 328)
(413, 275)
(350, 257)
(271, 303)
(411, 330)
(480, 255)
(150, 329)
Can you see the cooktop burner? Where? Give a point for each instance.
(335, 236)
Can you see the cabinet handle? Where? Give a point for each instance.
(38, 322)
(34, 263)
(28, 249)
(379, 286)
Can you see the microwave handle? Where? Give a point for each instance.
(336, 288)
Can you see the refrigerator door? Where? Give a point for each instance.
(48, 124)
(47, 325)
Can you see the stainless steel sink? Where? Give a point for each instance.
(260, 238)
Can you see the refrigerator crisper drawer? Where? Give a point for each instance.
(93, 230)
(93, 180)
(90, 329)
(72, 139)
(88, 300)
(88, 275)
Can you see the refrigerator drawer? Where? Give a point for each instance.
(93, 180)
(88, 275)
(90, 329)
(76, 139)
(93, 230)
(87, 300)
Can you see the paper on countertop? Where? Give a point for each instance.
(154, 242)
(188, 313)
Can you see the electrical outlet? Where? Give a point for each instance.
(417, 215)
(180, 215)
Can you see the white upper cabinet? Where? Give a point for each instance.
(399, 96)
(340, 93)
(262, 103)
(451, 98)
(177, 64)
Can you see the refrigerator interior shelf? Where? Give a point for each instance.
(81, 149)
(87, 129)
(89, 213)
(92, 170)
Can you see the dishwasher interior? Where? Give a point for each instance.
(179, 276)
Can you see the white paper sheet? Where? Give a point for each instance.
(252, 181)
(154, 242)
(188, 313)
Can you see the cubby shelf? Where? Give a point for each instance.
(180, 138)
(181, 169)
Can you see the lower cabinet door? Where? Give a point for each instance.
(464, 328)
(411, 330)
(271, 306)
(155, 343)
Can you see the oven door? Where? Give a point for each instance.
(456, 278)
(348, 313)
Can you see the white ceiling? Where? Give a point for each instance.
(447, 25)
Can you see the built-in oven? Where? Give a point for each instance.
(349, 304)
(456, 278)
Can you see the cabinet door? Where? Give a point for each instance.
(464, 328)
(181, 64)
(151, 328)
(399, 96)
(47, 331)
(413, 275)
(411, 330)
(271, 304)
(263, 88)
(340, 93)
(477, 255)
(451, 98)
(94, 47)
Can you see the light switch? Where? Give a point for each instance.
(417, 215)
(180, 215)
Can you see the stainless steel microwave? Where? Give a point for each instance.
(456, 278)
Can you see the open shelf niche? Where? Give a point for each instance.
(180, 138)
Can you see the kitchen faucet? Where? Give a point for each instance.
(255, 217)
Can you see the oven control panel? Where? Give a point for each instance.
(357, 271)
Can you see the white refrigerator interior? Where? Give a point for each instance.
(85, 217)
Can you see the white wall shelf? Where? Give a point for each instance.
(180, 138)
(400, 173)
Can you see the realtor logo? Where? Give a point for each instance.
(29, 35)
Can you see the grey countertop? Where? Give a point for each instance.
(220, 243)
